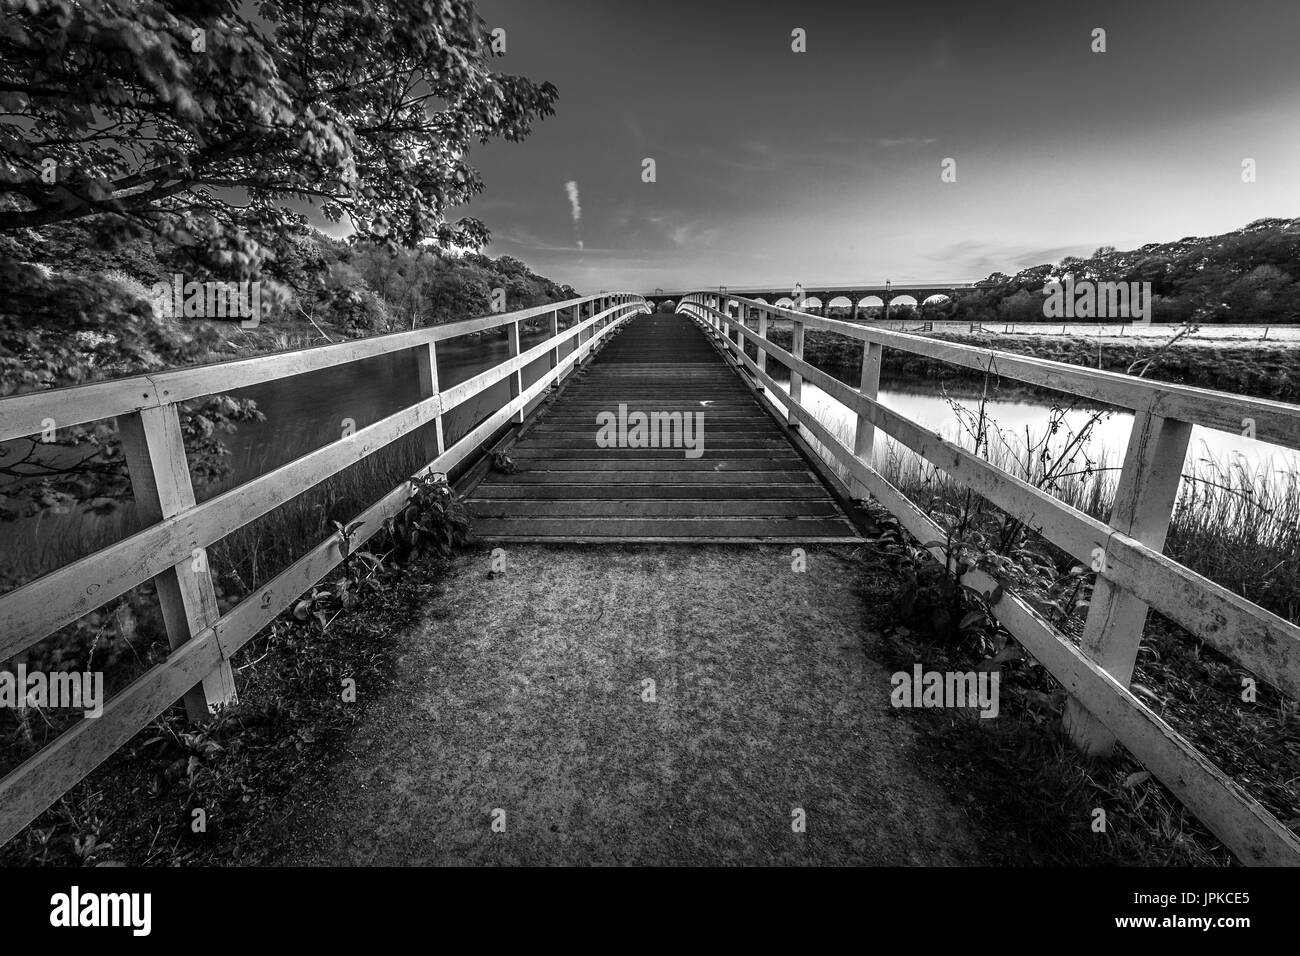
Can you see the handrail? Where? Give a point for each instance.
(25, 414)
(1135, 572)
(1275, 422)
(202, 640)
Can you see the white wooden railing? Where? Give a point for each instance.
(1136, 574)
(171, 549)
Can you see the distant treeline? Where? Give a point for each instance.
(1247, 276)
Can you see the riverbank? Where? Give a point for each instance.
(1258, 369)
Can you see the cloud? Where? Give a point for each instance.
(571, 187)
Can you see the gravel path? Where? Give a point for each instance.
(524, 691)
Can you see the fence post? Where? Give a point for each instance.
(1144, 503)
(796, 380)
(426, 362)
(554, 328)
(724, 306)
(154, 449)
(517, 376)
(864, 435)
(577, 336)
(762, 334)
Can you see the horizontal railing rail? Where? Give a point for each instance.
(1135, 575)
(203, 641)
(27, 413)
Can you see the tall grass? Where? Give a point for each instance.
(1235, 524)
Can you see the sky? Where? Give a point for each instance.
(776, 166)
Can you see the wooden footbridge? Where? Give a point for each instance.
(747, 481)
(755, 478)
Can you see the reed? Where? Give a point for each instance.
(1235, 524)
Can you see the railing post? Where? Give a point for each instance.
(864, 435)
(724, 306)
(154, 448)
(426, 363)
(555, 331)
(762, 334)
(517, 376)
(1144, 503)
(796, 380)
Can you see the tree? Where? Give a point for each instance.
(80, 328)
(451, 296)
(198, 119)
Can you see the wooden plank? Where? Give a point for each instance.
(517, 375)
(868, 385)
(1144, 503)
(736, 431)
(665, 466)
(650, 491)
(663, 527)
(656, 508)
(426, 365)
(591, 452)
(154, 448)
(796, 380)
(538, 445)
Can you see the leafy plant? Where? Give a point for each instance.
(434, 522)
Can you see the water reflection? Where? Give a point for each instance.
(1022, 421)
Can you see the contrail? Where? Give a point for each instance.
(571, 187)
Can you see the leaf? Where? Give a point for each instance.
(1133, 779)
(970, 620)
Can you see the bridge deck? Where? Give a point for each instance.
(749, 483)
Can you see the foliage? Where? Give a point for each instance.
(434, 521)
(198, 120)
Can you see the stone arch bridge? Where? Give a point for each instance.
(854, 297)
